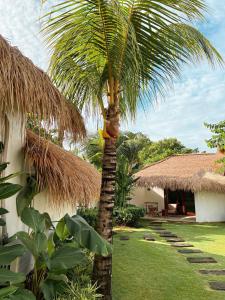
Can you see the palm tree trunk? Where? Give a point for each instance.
(102, 272)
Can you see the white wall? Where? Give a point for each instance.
(142, 195)
(210, 207)
(42, 203)
(14, 155)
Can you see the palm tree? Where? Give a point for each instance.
(111, 57)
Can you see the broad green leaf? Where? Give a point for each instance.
(22, 294)
(65, 258)
(56, 277)
(27, 241)
(62, 230)
(2, 222)
(7, 276)
(86, 236)
(3, 211)
(9, 253)
(51, 244)
(3, 166)
(52, 288)
(7, 291)
(26, 195)
(8, 189)
(41, 242)
(3, 179)
(48, 221)
(33, 219)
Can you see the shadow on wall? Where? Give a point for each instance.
(142, 195)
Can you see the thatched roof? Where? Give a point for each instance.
(66, 177)
(24, 88)
(188, 172)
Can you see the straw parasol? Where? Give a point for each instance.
(24, 88)
(66, 177)
(189, 172)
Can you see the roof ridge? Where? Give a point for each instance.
(174, 155)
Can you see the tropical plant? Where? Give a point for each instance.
(54, 252)
(162, 149)
(113, 56)
(217, 141)
(129, 215)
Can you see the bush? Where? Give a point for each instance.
(89, 214)
(129, 215)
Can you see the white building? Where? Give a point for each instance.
(183, 185)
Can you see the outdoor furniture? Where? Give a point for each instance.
(172, 208)
(151, 208)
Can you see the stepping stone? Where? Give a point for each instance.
(217, 285)
(124, 238)
(158, 228)
(174, 240)
(187, 251)
(212, 272)
(149, 239)
(169, 235)
(182, 245)
(201, 260)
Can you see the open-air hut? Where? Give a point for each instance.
(25, 89)
(185, 185)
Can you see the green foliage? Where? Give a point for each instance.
(129, 215)
(79, 292)
(140, 45)
(26, 195)
(89, 214)
(162, 149)
(218, 135)
(217, 141)
(54, 255)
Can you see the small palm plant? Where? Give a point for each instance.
(111, 57)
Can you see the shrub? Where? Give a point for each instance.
(129, 215)
(89, 214)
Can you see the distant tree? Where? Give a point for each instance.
(162, 149)
(217, 141)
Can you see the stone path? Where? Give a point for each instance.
(185, 249)
(189, 251)
(212, 272)
(201, 260)
(148, 237)
(217, 285)
(124, 238)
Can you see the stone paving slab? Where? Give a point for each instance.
(201, 260)
(182, 245)
(188, 251)
(212, 272)
(168, 235)
(149, 239)
(217, 285)
(174, 240)
(124, 238)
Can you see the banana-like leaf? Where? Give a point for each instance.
(26, 195)
(66, 257)
(3, 211)
(86, 236)
(3, 166)
(10, 176)
(7, 276)
(51, 244)
(36, 244)
(22, 294)
(2, 222)
(8, 189)
(7, 291)
(62, 230)
(9, 253)
(52, 288)
(33, 219)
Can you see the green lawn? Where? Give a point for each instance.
(154, 270)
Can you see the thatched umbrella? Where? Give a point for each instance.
(66, 177)
(24, 88)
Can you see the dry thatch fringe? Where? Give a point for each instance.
(67, 178)
(24, 88)
(203, 181)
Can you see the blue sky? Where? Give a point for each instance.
(197, 97)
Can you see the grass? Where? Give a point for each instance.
(154, 270)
